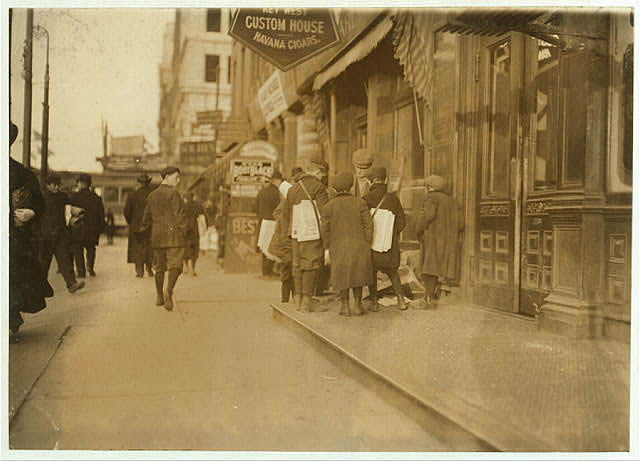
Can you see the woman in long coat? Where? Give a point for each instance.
(437, 229)
(347, 230)
(28, 287)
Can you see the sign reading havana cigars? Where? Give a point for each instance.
(285, 36)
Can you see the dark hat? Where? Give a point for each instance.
(343, 181)
(143, 178)
(276, 175)
(84, 178)
(169, 170)
(53, 179)
(377, 173)
(362, 158)
(296, 170)
(318, 162)
(13, 132)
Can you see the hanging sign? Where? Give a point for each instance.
(285, 36)
(271, 97)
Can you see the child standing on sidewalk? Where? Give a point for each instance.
(347, 230)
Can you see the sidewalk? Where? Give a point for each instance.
(491, 373)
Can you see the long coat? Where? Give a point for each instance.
(311, 252)
(281, 245)
(92, 225)
(166, 212)
(138, 244)
(347, 229)
(437, 227)
(28, 287)
(389, 259)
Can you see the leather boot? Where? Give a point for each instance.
(168, 300)
(344, 309)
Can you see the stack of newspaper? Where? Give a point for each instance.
(382, 230)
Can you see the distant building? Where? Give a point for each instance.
(195, 87)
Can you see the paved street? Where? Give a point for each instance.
(217, 373)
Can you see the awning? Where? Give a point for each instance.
(361, 49)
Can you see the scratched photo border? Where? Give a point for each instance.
(5, 453)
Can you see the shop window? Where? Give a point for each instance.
(627, 152)
(575, 123)
(496, 175)
(211, 68)
(213, 20)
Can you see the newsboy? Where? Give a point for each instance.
(164, 215)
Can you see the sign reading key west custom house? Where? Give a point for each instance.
(285, 36)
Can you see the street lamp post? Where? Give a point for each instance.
(44, 156)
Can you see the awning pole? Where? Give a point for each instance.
(333, 109)
(415, 102)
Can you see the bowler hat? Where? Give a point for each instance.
(169, 170)
(143, 178)
(343, 181)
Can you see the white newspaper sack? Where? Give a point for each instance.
(202, 224)
(304, 226)
(267, 229)
(383, 221)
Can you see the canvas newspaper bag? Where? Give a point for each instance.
(305, 225)
(383, 221)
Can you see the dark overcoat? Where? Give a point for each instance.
(92, 225)
(389, 259)
(311, 252)
(139, 244)
(267, 201)
(281, 245)
(347, 228)
(164, 215)
(28, 287)
(437, 227)
(192, 210)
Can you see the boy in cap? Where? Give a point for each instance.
(139, 250)
(347, 230)
(388, 261)
(267, 200)
(164, 215)
(54, 237)
(362, 160)
(308, 256)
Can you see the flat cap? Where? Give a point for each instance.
(276, 175)
(377, 172)
(362, 158)
(318, 162)
(84, 178)
(343, 181)
(437, 182)
(53, 179)
(169, 170)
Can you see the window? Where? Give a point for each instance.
(211, 68)
(575, 120)
(213, 20)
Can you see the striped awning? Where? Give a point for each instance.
(361, 49)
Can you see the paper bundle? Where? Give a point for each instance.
(382, 230)
(304, 226)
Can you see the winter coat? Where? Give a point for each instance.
(437, 228)
(267, 201)
(53, 222)
(389, 259)
(281, 243)
(164, 215)
(138, 243)
(28, 286)
(90, 227)
(347, 229)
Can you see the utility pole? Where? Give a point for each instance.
(44, 155)
(28, 58)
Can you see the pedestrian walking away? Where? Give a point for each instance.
(307, 246)
(193, 211)
(164, 216)
(347, 230)
(109, 226)
(54, 236)
(28, 287)
(386, 262)
(139, 250)
(87, 227)
(267, 201)
(437, 229)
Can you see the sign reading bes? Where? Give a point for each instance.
(285, 36)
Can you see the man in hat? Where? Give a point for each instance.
(308, 256)
(388, 261)
(139, 245)
(362, 160)
(164, 216)
(85, 232)
(267, 201)
(54, 236)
